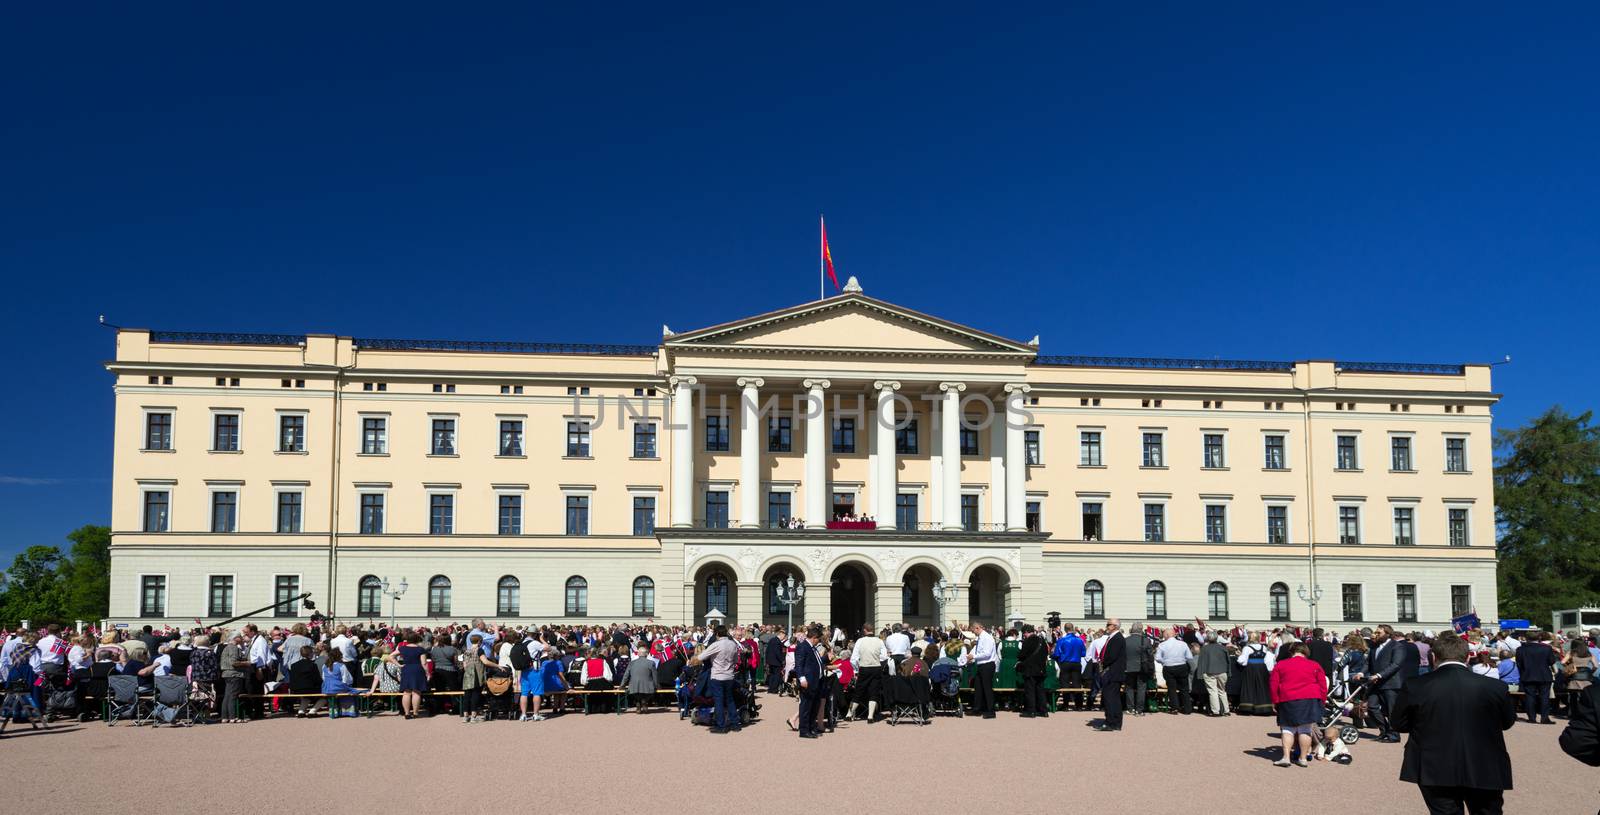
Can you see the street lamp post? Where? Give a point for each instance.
(944, 593)
(1310, 598)
(791, 592)
(394, 596)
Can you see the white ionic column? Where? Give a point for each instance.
(749, 451)
(683, 450)
(1016, 461)
(816, 454)
(887, 476)
(950, 417)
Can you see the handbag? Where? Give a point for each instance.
(497, 684)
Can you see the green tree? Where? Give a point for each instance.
(1547, 497)
(33, 588)
(86, 574)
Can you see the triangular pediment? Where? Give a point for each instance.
(850, 322)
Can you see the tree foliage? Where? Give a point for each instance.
(1547, 497)
(43, 586)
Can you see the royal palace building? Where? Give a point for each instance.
(535, 483)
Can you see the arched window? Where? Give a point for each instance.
(1278, 602)
(438, 596)
(644, 597)
(1155, 600)
(1217, 600)
(911, 597)
(577, 596)
(369, 596)
(509, 602)
(717, 592)
(1094, 600)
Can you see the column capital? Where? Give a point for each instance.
(947, 387)
(751, 382)
(675, 380)
(1018, 387)
(816, 383)
(885, 385)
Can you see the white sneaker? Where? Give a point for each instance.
(538, 717)
(527, 718)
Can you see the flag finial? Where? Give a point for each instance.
(852, 285)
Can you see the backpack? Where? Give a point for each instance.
(520, 658)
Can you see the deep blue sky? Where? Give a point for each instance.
(1236, 180)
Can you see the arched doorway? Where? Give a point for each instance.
(773, 610)
(986, 596)
(714, 587)
(918, 604)
(853, 591)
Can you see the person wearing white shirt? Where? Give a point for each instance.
(986, 656)
(1173, 657)
(260, 667)
(869, 658)
(899, 646)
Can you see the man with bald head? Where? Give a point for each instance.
(1112, 665)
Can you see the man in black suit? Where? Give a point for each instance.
(1457, 751)
(1030, 666)
(808, 673)
(1113, 660)
(1322, 652)
(1581, 739)
(1536, 662)
(773, 656)
(1393, 663)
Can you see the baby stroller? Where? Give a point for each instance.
(502, 702)
(1332, 737)
(946, 689)
(19, 706)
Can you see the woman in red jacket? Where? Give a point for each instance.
(1298, 689)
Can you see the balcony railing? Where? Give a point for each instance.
(498, 347)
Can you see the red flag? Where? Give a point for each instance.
(827, 256)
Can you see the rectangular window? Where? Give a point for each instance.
(1278, 603)
(157, 504)
(1094, 522)
(778, 509)
(577, 515)
(780, 434)
(219, 602)
(511, 515)
(644, 440)
(1089, 449)
(1275, 458)
(1455, 455)
(1351, 595)
(844, 435)
(225, 511)
(153, 595)
(1213, 451)
(716, 509)
(441, 514)
(969, 513)
(1405, 603)
(1030, 447)
(644, 515)
(1460, 600)
(644, 597)
(444, 437)
(1400, 453)
(1278, 524)
(1346, 458)
(225, 432)
(374, 435)
(905, 439)
(1033, 516)
(578, 439)
(290, 511)
(969, 441)
(1405, 526)
(905, 511)
(1458, 527)
(158, 431)
(508, 599)
(1155, 522)
(285, 588)
(371, 513)
(510, 437)
(1216, 523)
(1152, 450)
(291, 433)
(1349, 524)
(716, 434)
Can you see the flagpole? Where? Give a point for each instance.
(822, 232)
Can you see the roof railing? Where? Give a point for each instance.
(502, 347)
(1170, 363)
(1436, 368)
(225, 338)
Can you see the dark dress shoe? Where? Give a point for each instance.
(1104, 729)
(808, 735)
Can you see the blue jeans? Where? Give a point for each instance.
(725, 715)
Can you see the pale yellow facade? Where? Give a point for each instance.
(228, 496)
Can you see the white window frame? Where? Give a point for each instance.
(1361, 455)
(984, 515)
(1041, 499)
(166, 593)
(1165, 459)
(1361, 520)
(1227, 454)
(166, 485)
(205, 601)
(1224, 501)
(1098, 430)
(1288, 463)
(305, 434)
(655, 423)
(1288, 520)
(1457, 503)
(1413, 504)
(1361, 584)
(588, 491)
(1166, 516)
(588, 424)
(1033, 428)
(144, 429)
(361, 431)
(214, 486)
(499, 418)
(455, 430)
(272, 588)
(1466, 452)
(452, 490)
(280, 487)
(1412, 437)
(367, 488)
(211, 443)
(1104, 500)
